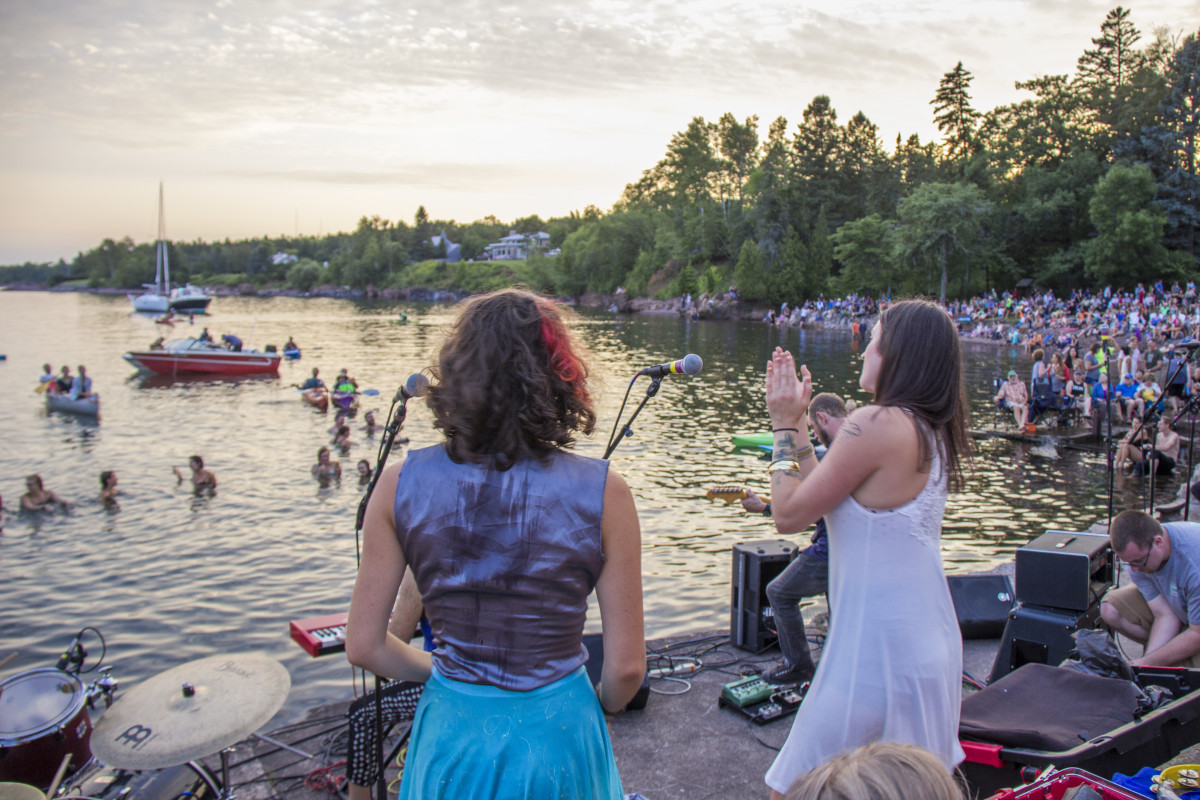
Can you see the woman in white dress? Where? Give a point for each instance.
(891, 669)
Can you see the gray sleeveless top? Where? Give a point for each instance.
(505, 561)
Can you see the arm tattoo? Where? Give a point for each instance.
(852, 429)
(786, 447)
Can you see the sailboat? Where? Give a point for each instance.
(159, 296)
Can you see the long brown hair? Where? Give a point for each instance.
(510, 381)
(921, 370)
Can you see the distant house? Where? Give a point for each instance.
(453, 251)
(516, 246)
(283, 258)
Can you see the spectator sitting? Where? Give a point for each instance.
(1015, 398)
(1126, 393)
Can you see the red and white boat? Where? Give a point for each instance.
(191, 356)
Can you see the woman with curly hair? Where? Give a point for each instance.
(506, 533)
(892, 663)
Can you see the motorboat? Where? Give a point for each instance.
(89, 406)
(190, 356)
(159, 296)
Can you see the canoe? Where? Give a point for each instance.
(753, 439)
(317, 398)
(63, 402)
(347, 401)
(291, 354)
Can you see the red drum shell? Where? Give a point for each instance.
(43, 717)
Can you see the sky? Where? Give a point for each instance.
(278, 117)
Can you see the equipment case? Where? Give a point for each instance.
(1152, 740)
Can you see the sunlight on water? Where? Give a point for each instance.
(169, 578)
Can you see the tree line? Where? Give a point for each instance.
(1090, 180)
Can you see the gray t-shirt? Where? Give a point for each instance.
(1178, 580)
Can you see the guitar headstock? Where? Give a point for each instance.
(730, 494)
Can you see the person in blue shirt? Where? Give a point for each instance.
(808, 574)
(232, 342)
(1127, 397)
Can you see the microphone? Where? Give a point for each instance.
(691, 364)
(416, 386)
(74, 654)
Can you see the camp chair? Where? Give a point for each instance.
(1044, 401)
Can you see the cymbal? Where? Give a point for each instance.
(19, 791)
(190, 711)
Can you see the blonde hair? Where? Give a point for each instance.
(879, 771)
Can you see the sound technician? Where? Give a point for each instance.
(808, 574)
(1161, 608)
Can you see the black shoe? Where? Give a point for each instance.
(785, 675)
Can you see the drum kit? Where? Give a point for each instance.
(147, 744)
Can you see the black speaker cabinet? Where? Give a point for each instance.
(594, 642)
(1035, 635)
(1061, 569)
(755, 564)
(982, 604)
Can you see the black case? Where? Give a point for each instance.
(755, 564)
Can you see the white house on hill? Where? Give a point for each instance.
(516, 246)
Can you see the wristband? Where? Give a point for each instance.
(780, 430)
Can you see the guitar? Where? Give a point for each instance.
(731, 494)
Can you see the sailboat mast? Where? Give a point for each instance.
(162, 273)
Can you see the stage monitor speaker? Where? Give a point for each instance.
(755, 564)
(1062, 569)
(594, 642)
(982, 604)
(1036, 635)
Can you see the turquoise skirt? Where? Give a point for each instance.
(479, 742)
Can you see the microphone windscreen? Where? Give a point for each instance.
(692, 364)
(416, 385)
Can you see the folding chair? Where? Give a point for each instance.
(1044, 401)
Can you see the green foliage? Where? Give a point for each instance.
(749, 275)
(304, 274)
(865, 251)
(1128, 248)
(941, 231)
(953, 113)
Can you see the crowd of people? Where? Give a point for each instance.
(501, 523)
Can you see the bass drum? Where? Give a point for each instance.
(43, 719)
(190, 780)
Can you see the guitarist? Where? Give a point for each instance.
(808, 574)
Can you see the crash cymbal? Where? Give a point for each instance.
(19, 791)
(190, 711)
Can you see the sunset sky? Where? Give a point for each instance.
(272, 117)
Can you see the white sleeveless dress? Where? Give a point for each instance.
(891, 668)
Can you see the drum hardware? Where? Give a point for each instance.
(103, 687)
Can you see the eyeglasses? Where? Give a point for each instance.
(1142, 562)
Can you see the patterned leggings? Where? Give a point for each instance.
(399, 701)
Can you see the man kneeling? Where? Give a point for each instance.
(1161, 609)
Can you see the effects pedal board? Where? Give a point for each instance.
(759, 701)
(746, 691)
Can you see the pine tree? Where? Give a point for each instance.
(953, 113)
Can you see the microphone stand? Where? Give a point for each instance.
(1191, 408)
(627, 428)
(385, 448)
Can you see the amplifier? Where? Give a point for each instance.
(1040, 636)
(1064, 569)
(755, 564)
(981, 603)
(594, 642)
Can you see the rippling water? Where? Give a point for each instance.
(170, 577)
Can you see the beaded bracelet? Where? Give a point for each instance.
(781, 430)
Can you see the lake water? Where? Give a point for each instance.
(169, 577)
